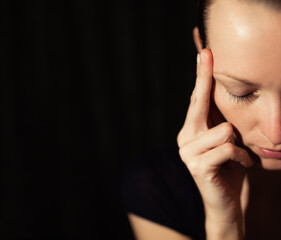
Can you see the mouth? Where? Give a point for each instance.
(268, 153)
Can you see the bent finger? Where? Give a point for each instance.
(210, 139)
(225, 152)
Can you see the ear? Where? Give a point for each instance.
(197, 39)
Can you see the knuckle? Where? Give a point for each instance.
(193, 97)
(201, 72)
(198, 96)
(186, 135)
(226, 130)
(194, 167)
(210, 178)
(228, 148)
(179, 138)
(204, 73)
(182, 153)
(207, 101)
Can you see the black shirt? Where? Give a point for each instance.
(158, 186)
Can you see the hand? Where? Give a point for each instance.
(209, 152)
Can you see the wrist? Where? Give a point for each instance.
(219, 230)
(224, 227)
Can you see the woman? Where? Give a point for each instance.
(231, 139)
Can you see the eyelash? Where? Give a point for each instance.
(248, 98)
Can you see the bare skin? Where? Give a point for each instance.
(207, 147)
(247, 43)
(220, 139)
(249, 33)
(245, 40)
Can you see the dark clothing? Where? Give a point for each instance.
(158, 186)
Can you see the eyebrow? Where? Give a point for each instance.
(245, 81)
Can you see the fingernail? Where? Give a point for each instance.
(198, 58)
(202, 56)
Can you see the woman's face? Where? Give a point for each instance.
(246, 43)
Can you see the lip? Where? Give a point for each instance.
(269, 153)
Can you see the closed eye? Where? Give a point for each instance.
(248, 98)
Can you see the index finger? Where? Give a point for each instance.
(200, 100)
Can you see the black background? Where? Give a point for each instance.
(86, 85)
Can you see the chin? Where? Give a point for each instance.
(269, 164)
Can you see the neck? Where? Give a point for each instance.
(259, 178)
(260, 186)
(262, 199)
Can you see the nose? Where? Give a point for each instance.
(270, 124)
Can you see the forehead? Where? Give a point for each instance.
(245, 39)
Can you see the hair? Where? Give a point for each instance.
(203, 7)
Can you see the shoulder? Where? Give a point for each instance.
(158, 186)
